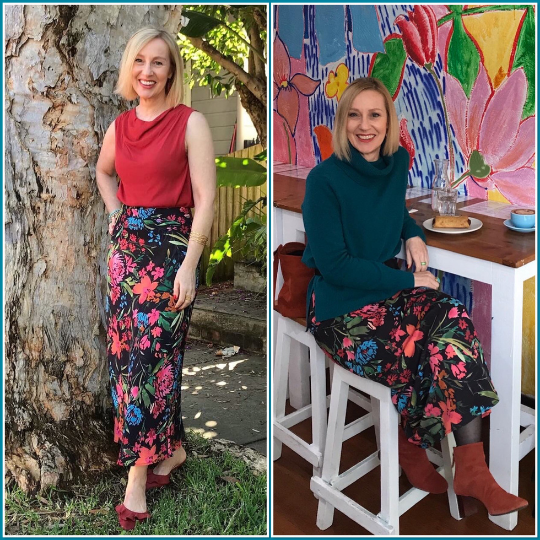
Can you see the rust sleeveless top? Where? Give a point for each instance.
(151, 159)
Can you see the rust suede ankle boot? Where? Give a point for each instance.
(472, 478)
(416, 465)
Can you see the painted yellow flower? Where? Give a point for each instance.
(337, 82)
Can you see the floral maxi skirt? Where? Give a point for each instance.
(421, 343)
(145, 337)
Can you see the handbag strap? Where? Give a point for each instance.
(276, 267)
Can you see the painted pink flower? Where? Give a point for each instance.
(350, 355)
(164, 380)
(153, 316)
(396, 334)
(459, 370)
(449, 351)
(117, 268)
(286, 88)
(419, 34)
(144, 343)
(431, 410)
(453, 313)
(498, 146)
(156, 331)
(347, 343)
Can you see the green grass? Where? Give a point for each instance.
(198, 501)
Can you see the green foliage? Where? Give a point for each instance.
(238, 172)
(247, 236)
(229, 35)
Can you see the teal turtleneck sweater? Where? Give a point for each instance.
(355, 217)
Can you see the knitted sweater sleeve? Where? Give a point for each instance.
(322, 221)
(410, 228)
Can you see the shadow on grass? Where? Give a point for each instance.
(212, 494)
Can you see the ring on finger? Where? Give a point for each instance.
(423, 263)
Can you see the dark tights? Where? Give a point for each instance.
(469, 433)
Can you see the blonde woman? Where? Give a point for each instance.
(387, 325)
(162, 153)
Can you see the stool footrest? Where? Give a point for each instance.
(351, 509)
(357, 426)
(414, 495)
(298, 445)
(295, 417)
(527, 441)
(351, 475)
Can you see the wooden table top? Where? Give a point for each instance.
(493, 242)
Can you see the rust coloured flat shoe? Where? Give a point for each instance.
(159, 480)
(128, 519)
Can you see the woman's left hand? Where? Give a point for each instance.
(417, 253)
(184, 287)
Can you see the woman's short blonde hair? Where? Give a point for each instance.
(340, 140)
(175, 85)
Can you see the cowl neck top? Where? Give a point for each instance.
(151, 159)
(355, 220)
(360, 170)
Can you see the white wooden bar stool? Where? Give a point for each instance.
(328, 487)
(291, 332)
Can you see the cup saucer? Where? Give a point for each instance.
(508, 223)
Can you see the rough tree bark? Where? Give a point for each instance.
(61, 66)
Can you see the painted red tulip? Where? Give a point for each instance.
(419, 34)
(406, 141)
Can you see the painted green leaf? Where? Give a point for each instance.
(239, 172)
(524, 57)
(146, 398)
(477, 166)
(463, 57)
(388, 67)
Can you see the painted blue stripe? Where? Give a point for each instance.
(291, 28)
(365, 29)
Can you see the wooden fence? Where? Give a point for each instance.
(228, 204)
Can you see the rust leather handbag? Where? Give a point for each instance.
(291, 301)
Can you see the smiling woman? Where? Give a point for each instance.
(163, 154)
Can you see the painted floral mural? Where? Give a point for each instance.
(462, 79)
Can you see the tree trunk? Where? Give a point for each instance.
(61, 67)
(255, 109)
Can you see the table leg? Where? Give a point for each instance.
(506, 336)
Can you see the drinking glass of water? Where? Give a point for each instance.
(447, 199)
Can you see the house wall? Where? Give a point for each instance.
(220, 113)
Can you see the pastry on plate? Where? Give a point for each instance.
(451, 222)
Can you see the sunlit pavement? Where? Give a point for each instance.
(225, 398)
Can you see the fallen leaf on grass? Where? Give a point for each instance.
(43, 500)
(230, 479)
(98, 511)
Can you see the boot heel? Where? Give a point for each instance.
(467, 505)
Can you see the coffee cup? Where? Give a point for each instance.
(523, 218)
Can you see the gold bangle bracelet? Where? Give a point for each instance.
(197, 241)
(198, 238)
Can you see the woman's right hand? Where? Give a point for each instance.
(112, 224)
(425, 279)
